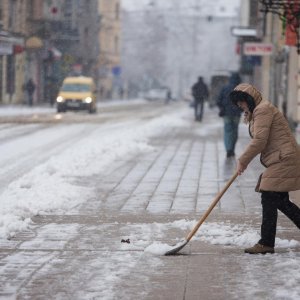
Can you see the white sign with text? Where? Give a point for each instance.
(259, 49)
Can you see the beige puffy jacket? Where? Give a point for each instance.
(273, 139)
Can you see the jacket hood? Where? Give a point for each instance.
(250, 90)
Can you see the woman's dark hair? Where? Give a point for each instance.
(236, 96)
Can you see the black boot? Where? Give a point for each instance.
(230, 153)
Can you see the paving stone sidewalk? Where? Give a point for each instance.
(72, 256)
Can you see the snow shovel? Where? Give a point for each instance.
(181, 244)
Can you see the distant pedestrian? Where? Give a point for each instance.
(231, 115)
(121, 92)
(30, 88)
(200, 93)
(168, 97)
(279, 154)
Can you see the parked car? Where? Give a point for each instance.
(155, 94)
(77, 93)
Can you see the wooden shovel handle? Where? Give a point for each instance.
(216, 200)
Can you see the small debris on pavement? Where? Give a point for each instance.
(125, 241)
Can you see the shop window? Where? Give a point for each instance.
(10, 75)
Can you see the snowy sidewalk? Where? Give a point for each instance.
(152, 199)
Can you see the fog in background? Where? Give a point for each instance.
(170, 43)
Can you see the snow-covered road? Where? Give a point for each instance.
(39, 163)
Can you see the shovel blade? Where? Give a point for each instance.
(177, 247)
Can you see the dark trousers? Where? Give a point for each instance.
(271, 201)
(199, 109)
(231, 128)
(30, 99)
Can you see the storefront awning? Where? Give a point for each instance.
(34, 42)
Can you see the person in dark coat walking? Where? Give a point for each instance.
(200, 93)
(30, 88)
(230, 113)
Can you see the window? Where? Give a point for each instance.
(1, 14)
(75, 87)
(10, 74)
(117, 11)
(12, 14)
(116, 44)
(88, 5)
(30, 11)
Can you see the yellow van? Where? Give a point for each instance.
(77, 93)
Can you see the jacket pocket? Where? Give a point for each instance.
(271, 158)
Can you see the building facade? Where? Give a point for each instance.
(45, 41)
(13, 28)
(109, 62)
(273, 64)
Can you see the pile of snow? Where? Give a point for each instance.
(158, 248)
(24, 110)
(54, 185)
(247, 285)
(18, 110)
(235, 235)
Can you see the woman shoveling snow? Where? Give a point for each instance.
(280, 154)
